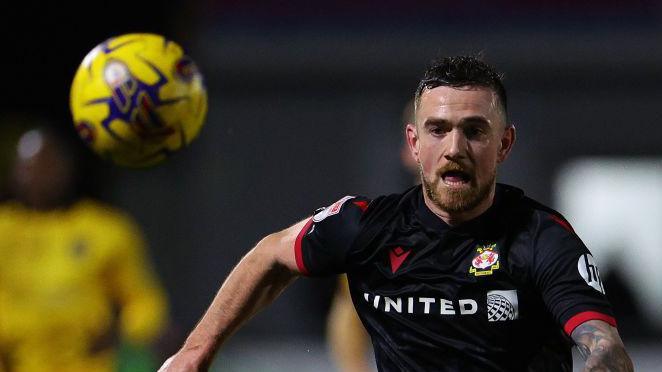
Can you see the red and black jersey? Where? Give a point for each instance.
(501, 292)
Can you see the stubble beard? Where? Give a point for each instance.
(456, 200)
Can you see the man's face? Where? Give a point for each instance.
(459, 137)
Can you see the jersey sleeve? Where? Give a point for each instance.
(322, 246)
(566, 274)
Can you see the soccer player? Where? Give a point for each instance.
(74, 279)
(456, 274)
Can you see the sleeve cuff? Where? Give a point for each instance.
(298, 252)
(585, 316)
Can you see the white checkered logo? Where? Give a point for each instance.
(502, 305)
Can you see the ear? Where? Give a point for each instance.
(411, 135)
(506, 143)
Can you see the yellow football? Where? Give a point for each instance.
(137, 98)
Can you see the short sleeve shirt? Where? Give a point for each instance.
(501, 292)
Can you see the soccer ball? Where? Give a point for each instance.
(137, 98)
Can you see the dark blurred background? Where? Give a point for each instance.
(305, 105)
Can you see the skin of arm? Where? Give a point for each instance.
(254, 283)
(348, 340)
(601, 346)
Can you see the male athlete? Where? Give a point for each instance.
(456, 274)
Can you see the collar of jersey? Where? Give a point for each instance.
(482, 224)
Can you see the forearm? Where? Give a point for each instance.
(601, 347)
(256, 281)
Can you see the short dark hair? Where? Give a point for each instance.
(461, 71)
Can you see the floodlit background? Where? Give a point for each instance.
(305, 106)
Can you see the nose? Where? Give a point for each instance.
(457, 144)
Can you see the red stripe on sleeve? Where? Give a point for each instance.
(563, 223)
(298, 254)
(585, 316)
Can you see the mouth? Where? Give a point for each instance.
(455, 178)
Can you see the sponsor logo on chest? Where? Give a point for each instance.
(425, 305)
(500, 305)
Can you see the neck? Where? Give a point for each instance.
(457, 218)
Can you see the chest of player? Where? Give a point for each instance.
(48, 260)
(446, 276)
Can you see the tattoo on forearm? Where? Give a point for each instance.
(598, 343)
(584, 351)
(587, 337)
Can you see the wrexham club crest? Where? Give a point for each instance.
(486, 261)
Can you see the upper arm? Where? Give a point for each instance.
(569, 281)
(318, 245)
(566, 275)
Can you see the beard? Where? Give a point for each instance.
(453, 200)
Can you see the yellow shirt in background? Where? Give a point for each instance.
(69, 278)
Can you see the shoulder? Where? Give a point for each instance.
(348, 204)
(357, 208)
(547, 223)
(550, 239)
(325, 242)
(12, 216)
(10, 209)
(386, 206)
(541, 233)
(532, 215)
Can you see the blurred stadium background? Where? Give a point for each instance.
(305, 105)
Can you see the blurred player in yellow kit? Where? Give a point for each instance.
(74, 277)
(348, 340)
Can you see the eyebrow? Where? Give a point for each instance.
(476, 119)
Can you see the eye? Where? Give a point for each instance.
(437, 130)
(474, 132)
